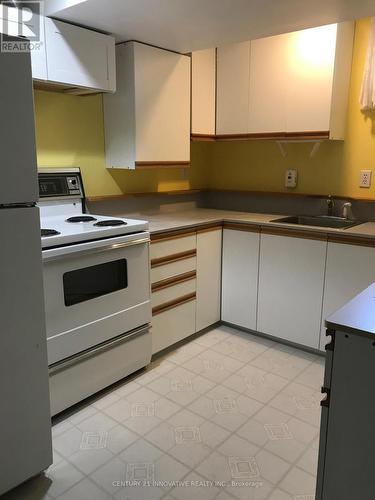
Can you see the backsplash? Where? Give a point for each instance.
(70, 133)
(226, 200)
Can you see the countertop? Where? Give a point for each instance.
(173, 220)
(357, 316)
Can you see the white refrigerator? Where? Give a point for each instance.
(25, 423)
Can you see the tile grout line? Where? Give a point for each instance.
(186, 407)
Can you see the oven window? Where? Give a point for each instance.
(94, 281)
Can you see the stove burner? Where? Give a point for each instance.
(49, 232)
(110, 222)
(81, 218)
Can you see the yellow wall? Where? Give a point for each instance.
(334, 169)
(70, 133)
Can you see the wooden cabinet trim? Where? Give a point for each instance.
(208, 228)
(175, 280)
(191, 231)
(162, 164)
(174, 303)
(272, 136)
(203, 137)
(172, 235)
(238, 226)
(351, 240)
(294, 233)
(168, 259)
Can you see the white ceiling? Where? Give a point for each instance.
(185, 25)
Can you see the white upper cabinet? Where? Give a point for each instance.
(147, 121)
(64, 54)
(79, 57)
(39, 56)
(267, 88)
(295, 84)
(10, 24)
(203, 92)
(232, 87)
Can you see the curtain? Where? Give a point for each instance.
(367, 99)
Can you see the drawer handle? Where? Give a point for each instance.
(158, 238)
(175, 280)
(173, 303)
(325, 402)
(89, 353)
(161, 261)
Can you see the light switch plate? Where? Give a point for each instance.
(365, 178)
(291, 178)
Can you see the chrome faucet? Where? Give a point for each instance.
(330, 205)
(346, 210)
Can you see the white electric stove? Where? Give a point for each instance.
(97, 291)
(67, 229)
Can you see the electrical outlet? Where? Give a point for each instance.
(365, 178)
(291, 178)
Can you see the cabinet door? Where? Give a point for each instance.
(10, 24)
(349, 270)
(233, 71)
(240, 277)
(291, 280)
(268, 80)
(309, 68)
(39, 56)
(77, 56)
(203, 91)
(208, 278)
(162, 105)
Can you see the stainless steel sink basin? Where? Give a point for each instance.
(318, 220)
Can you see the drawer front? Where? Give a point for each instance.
(163, 248)
(173, 269)
(173, 292)
(173, 325)
(98, 370)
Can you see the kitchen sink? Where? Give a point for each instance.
(318, 220)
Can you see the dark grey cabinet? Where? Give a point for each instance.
(346, 469)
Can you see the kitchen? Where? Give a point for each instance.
(205, 204)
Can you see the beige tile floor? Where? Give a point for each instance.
(226, 416)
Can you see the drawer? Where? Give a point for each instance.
(173, 325)
(173, 292)
(173, 245)
(173, 268)
(98, 368)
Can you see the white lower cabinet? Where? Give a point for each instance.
(349, 270)
(208, 277)
(240, 276)
(186, 288)
(291, 282)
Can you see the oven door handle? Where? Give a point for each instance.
(78, 358)
(90, 248)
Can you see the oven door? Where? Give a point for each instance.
(95, 291)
